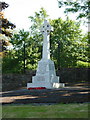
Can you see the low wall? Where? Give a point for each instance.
(15, 81)
(67, 75)
(73, 75)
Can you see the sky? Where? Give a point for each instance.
(19, 11)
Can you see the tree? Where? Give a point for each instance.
(36, 36)
(80, 6)
(37, 20)
(68, 45)
(84, 48)
(65, 42)
(27, 46)
(19, 42)
(6, 28)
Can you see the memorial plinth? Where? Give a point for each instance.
(45, 74)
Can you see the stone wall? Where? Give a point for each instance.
(73, 75)
(15, 81)
(67, 75)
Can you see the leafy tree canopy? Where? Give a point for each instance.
(65, 42)
(69, 46)
(6, 28)
(80, 6)
(37, 20)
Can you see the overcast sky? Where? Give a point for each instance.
(19, 11)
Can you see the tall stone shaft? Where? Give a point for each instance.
(45, 29)
(46, 48)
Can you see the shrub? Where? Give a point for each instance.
(81, 64)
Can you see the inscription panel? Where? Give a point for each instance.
(40, 78)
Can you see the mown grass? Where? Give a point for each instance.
(46, 111)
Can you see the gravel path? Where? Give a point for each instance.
(48, 96)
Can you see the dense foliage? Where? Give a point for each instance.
(69, 47)
(66, 42)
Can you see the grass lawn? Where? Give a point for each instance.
(46, 111)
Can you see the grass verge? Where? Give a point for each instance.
(46, 111)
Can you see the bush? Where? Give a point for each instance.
(11, 65)
(81, 64)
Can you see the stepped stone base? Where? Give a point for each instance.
(45, 76)
(48, 85)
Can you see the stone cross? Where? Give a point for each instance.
(45, 74)
(45, 29)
